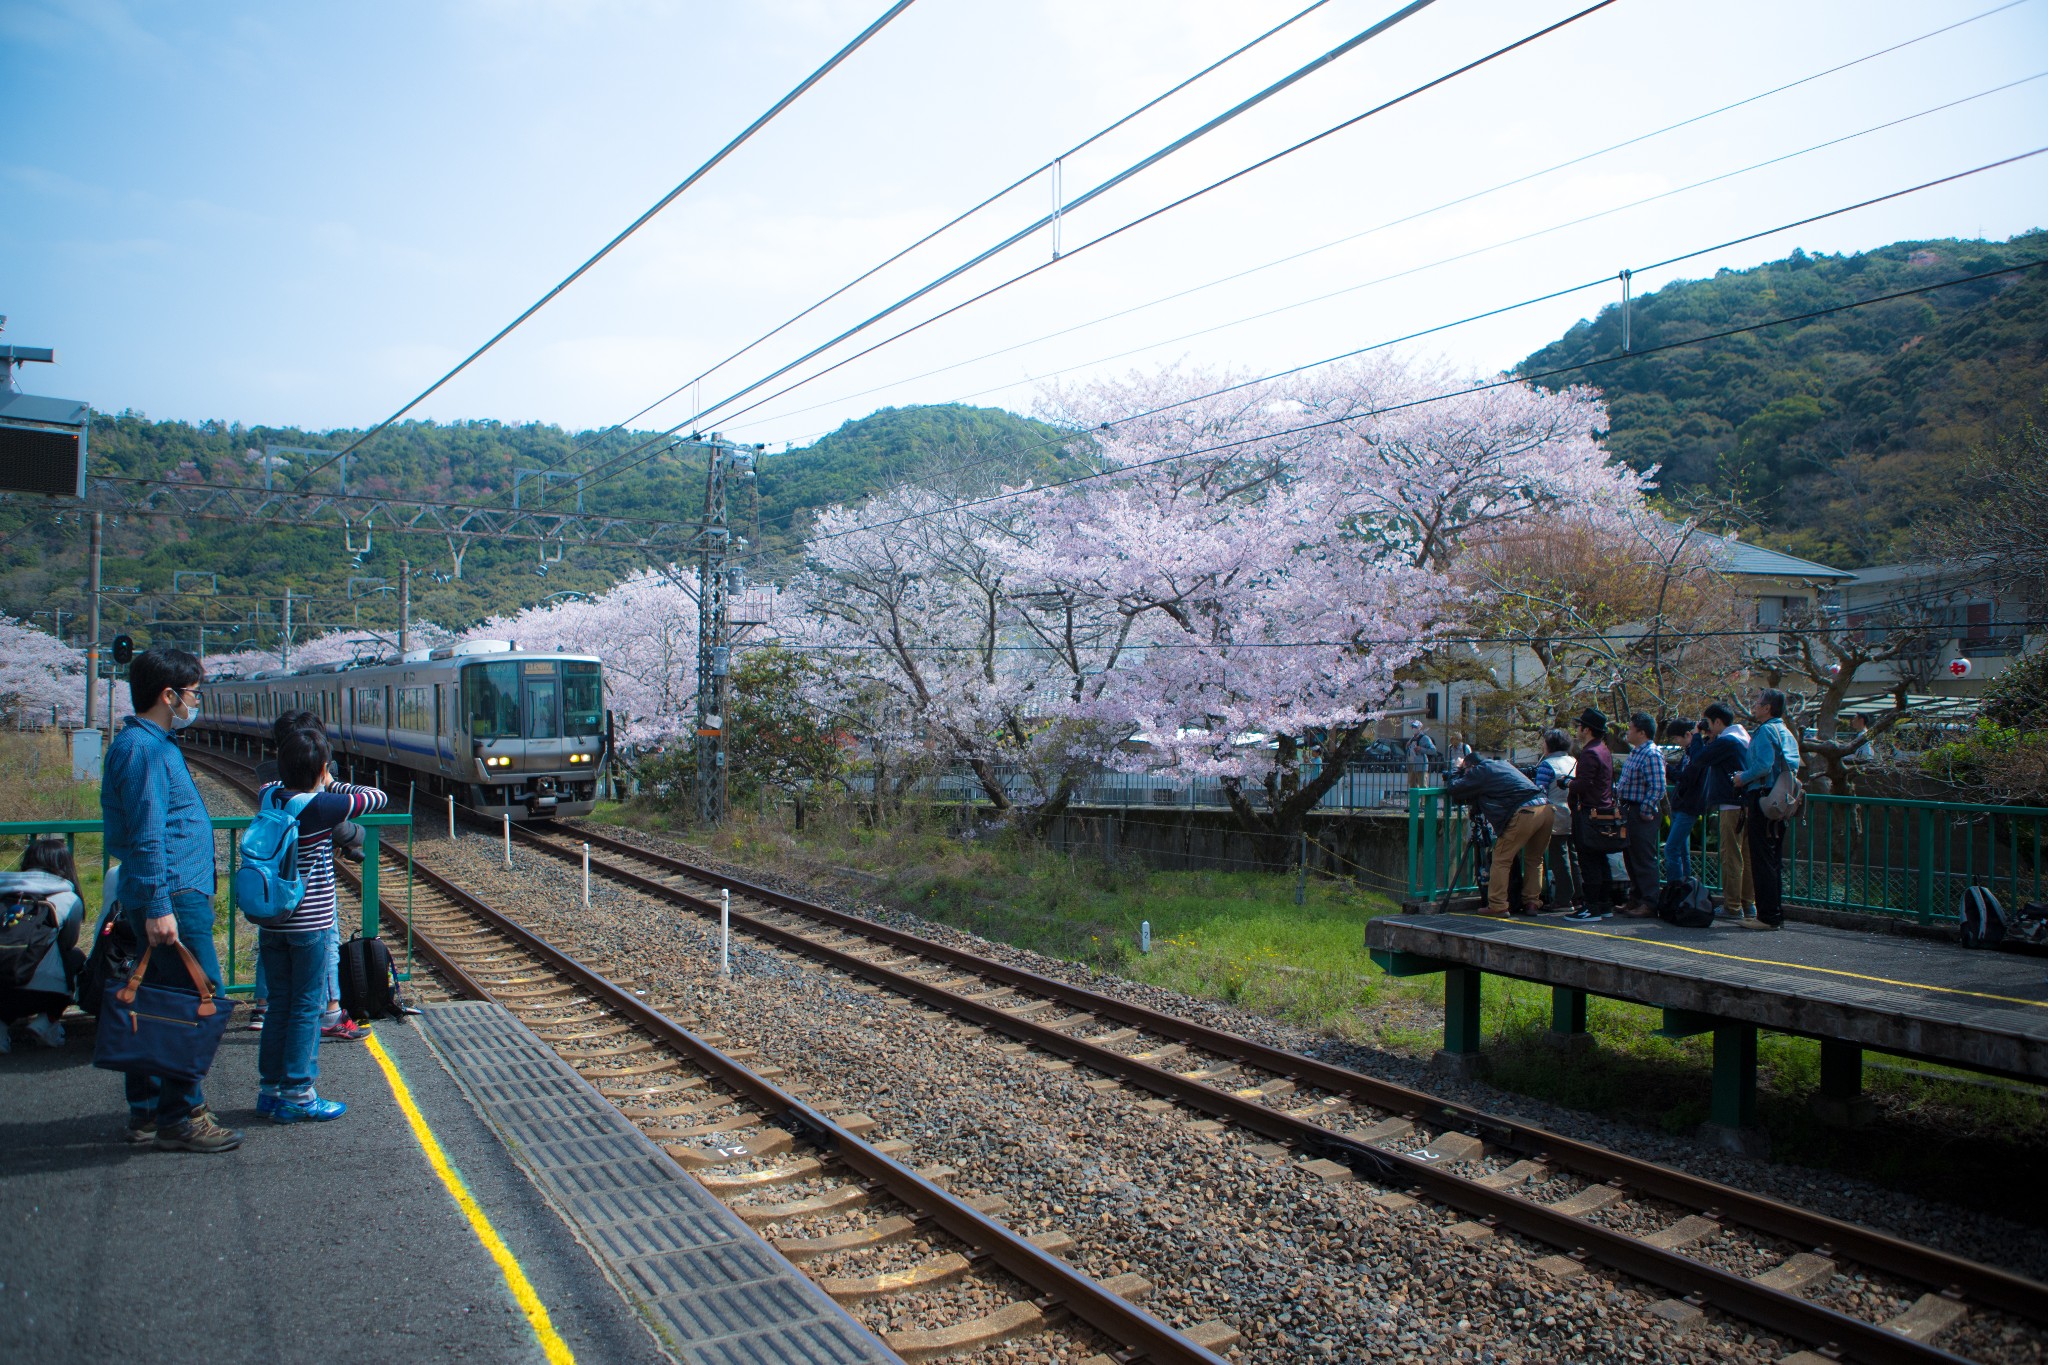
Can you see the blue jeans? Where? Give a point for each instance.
(295, 969)
(1678, 847)
(173, 1101)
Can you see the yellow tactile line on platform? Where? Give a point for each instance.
(1793, 966)
(557, 1350)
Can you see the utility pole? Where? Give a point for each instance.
(284, 645)
(92, 647)
(723, 462)
(404, 607)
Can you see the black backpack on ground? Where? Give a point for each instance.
(28, 926)
(1982, 918)
(1686, 905)
(369, 983)
(113, 958)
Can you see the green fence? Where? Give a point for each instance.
(235, 935)
(1866, 854)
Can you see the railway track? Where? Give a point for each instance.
(782, 1162)
(1709, 1245)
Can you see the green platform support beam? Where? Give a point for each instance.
(1461, 1010)
(1567, 1011)
(1841, 1069)
(370, 860)
(1734, 1105)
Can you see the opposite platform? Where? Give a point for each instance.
(1987, 1011)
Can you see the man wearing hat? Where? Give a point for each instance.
(1420, 747)
(1592, 788)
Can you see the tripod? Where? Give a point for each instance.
(1477, 855)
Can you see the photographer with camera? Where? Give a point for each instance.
(1519, 815)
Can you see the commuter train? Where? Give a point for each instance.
(505, 731)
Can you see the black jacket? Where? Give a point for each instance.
(1496, 789)
(1689, 791)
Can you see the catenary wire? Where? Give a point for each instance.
(618, 464)
(1383, 279)
(965, 214)
(1504, 382)
(795, 93)
(1599, 282)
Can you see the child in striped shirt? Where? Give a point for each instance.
(299, 952)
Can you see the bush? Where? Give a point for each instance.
(1993, 762)
(2018, 698)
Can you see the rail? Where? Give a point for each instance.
(1870, 855)
(223, 897)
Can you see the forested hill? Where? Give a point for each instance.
(42, 554)
(1843, 432)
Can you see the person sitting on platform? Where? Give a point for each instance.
(1592, 787)
(47, 875)
(1640, 789)
(297, 952)
(1520, 817)
(1727, 750)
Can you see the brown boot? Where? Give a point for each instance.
(200, 1133)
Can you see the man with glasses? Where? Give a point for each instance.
(158, 830)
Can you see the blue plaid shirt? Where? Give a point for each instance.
(1642, 777)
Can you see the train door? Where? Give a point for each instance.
(444, 727)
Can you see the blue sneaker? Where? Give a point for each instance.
(266, 1104)
(314, 1110)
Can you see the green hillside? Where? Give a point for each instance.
(1841, 433)
(43, 549)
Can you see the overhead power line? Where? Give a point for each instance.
(1599, 282)
(965, 214)
(1419, 214)
(692, 178)
(1504, 382)
(619, 463)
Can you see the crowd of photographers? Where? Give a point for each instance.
(1580, 834)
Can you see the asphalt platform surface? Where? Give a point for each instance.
(313, 1242)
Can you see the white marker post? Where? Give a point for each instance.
(725, 931)
(586, 876)
(451, 817)
(1145, 936)
(508, 840)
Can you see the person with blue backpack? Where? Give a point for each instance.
(286, 887)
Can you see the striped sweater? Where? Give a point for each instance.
(341, 801)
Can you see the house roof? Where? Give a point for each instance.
(1754, 560)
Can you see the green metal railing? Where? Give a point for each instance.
(1865, 854)
(238, 931)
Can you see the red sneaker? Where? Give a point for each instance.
(345, 1030)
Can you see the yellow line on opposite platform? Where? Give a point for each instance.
(1794, 966)
(557, 1350)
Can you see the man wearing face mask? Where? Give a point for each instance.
(158, 830)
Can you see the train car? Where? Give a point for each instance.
(505, 731)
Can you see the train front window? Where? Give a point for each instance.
(490, 694)
(582, 701)
(543, 708)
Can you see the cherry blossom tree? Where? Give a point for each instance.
(39, 672)
(1281, 553)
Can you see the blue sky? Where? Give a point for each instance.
(300, 214)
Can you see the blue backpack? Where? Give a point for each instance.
(268, 886)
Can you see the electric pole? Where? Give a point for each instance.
(404, 607)
(284, 643)
(724, 461)
(92, 647)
